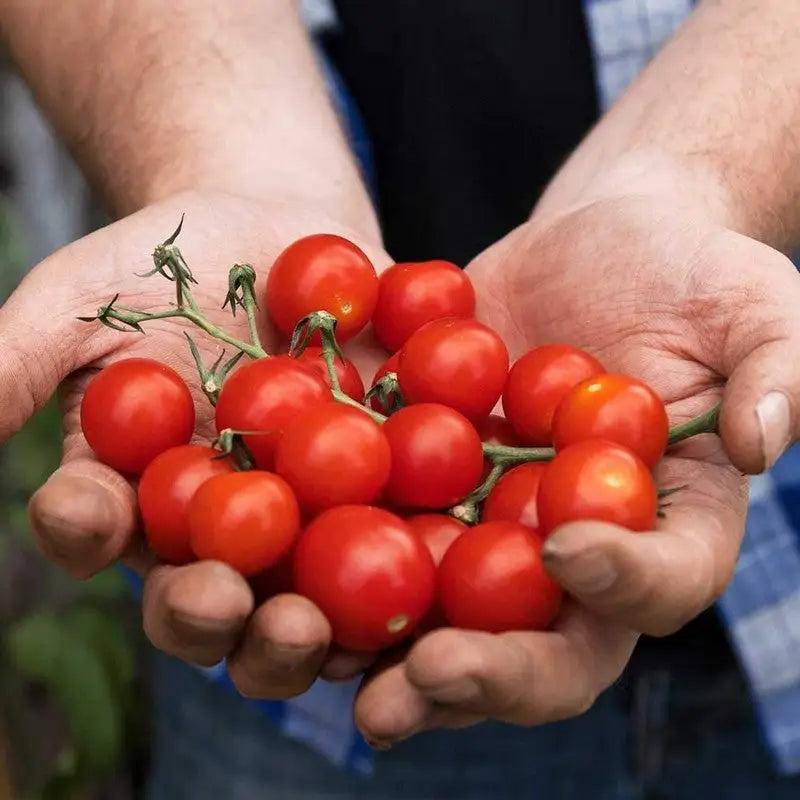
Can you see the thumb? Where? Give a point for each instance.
(760, 416)
(85, 514)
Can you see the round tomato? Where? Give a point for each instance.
(369, 574)
(349, 379)
(275, 580)
(496, 430)
(334, 455)
(248, 520)
(133, 411)
(538, 382)
(411, 295)
(459, 363)
(266, 395)
(618, 408)
(167, 485)
(322, 272)
(492, 579)
(437, 457)
(390, 365)
(438, 531)
(597, 480)
(514, 496)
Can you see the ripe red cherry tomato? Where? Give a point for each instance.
(134, 410)
(436, 457)
(597, 480)
(390, 365)
(438, 531)
(349, 379)
(266, 395)
(277, 579)
(322, 272)
(538, 382)
(166, 488)
(411, 295)
(334, 455)
(492, 579)
(369, 574)
(456, 362)
(496, 430)
(248, 520)
(618, 408)
(514, 496)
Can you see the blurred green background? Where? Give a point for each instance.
(73, 723)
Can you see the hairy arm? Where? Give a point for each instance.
(714, 119)
(157, 96)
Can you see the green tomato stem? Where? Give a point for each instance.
(705, 423)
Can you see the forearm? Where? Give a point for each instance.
(157, 96)
(714, 120)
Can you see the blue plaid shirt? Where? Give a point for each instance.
(762, 606)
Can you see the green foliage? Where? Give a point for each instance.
(46, 648)
(68, 638)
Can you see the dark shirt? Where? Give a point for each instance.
(471, 107)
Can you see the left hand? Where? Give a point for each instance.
(702, 314)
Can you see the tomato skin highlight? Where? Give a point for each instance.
(537, 382)
(134, 410)
(514, 497)
(349, 377)
(166, 488)
(413, 294)
(322, 272)
(437, 457)
(368, 573)
(248, 520)
(618, 408)
(492, 579)
(334, 455)
(390, 365)
(597, 480)
(266, 395)
(460, 363)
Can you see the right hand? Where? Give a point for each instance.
(85, 517)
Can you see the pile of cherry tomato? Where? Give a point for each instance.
(361, 514)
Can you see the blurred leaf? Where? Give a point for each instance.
(32, 455)
(106, 585)
(107, 638)
(43, 649)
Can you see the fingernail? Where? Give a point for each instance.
(191, 624)
(584, 572)
(463, 690)
(775, 426)
(287, 657)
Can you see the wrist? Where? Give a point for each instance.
(688, 182)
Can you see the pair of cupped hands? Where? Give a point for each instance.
(650, 287)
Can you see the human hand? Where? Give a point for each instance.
(656, 291)
(85, 517)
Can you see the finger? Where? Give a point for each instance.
(760, 414)
(197, 612)
(655, 582)
(84, 518)
(283, 649)
(342, 665)
(521, 678)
